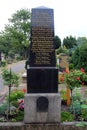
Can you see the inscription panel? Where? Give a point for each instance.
(42, 50)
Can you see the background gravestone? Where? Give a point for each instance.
(63, 62)
(42, 76)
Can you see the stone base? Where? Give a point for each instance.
(42, 108)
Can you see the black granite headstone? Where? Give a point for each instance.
(42, 51)
(42, 76)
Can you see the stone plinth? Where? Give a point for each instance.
(42, 108)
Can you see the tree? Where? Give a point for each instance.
(57, 42)
(20, 29)
(17, 33)
(5, 42)
(79, 57)
(11, 79)
(62, 49)
(69, 42)
(81, 40)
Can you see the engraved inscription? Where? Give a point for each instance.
(42, 44)
(42, 38)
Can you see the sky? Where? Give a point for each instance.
(70, 16)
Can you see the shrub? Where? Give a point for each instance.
(3, 63)
(66, 116)
(10, 77)
(75, 107)
(71, 66)
(20, 116)
(15, 95)
(63, 94)
(79, 57)
(3, 108)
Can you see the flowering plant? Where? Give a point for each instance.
(74, 78)
(21, 104)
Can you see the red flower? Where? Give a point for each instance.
(24, 90)
(78, 78)
(61, 79)
(82, 70)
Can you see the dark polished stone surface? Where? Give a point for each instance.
(42, 49)
(42, 80)
(42, 76)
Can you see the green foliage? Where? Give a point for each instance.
(5, 42)
(69, 42)
(74, 78)
(3, 63)
(3, 108)
(84, 114)
(15, 37)
(75, 107)
(79, 57)
(61, 50)
(75, 58)
(71, 66)
(20, 116)
(10, 78)
(66, 116)
(15, 114)
(76, 95)
(81, 124)
(63, 94)
(57, 42)
(18, 58)
(14, 102)
(81, 40)
(15, 95)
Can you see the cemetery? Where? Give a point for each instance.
(55, 97)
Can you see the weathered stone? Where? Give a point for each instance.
(53, 113)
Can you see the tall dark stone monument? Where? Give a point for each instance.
(42, 101)
(42, 76)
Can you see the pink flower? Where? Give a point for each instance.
(20, 101)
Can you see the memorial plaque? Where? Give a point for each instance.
(42, 104)
(42, 52)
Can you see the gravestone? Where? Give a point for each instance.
(42, 75)
(63, 62)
